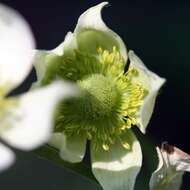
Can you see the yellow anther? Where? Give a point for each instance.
(132, 70)
(133, 121)
(128, 122)
(89, 136)
(124, 127)
(105, 147)
(126, 145)
(99, 50)
(114, 49)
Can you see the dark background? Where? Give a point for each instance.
(159, 32)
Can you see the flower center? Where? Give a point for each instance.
(96, 112)
(109, 102)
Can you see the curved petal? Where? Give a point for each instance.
(39, 65)
(150, 82)
(92, 33)
(67, 46)
(29, 123)
(16, 43)
(7, 157)
(43, 59)
(118, 167)
(72, 149)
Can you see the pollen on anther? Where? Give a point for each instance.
(126, 145)
(105, 147)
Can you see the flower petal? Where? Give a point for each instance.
(67, 47)
(118, 167)
(172, 165)
(43, 59)
(39, 65)
(16, 43)
(92, 33)
(29, 123)
(72, 149)
(150, 82)
(7, 157)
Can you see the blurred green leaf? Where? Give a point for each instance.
(50, 154)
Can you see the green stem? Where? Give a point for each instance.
(47, 153)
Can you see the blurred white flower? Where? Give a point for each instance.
(25, 120)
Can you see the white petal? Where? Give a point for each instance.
(150, 82)
(117, 168)
(66, 48)
(16, 43)
(40, 67)
(7, 157)
(72, 149)
(41, 57)
(92, 32)
(30, 123)
(172, 165)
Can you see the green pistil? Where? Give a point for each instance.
(101, 96)
(109, 102)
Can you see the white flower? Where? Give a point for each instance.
(172, 165)
(94, 57)
(25, 120)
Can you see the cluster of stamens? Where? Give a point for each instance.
(109, 103)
